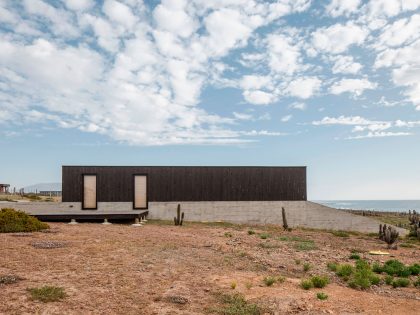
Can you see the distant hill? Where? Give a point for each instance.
(43, 187)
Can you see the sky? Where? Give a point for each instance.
(333, 85)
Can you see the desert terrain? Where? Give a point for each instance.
(164, 269)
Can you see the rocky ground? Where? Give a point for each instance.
(163, 269)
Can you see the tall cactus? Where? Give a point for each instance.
(179, 219)
(414, 219)
(283, 214)
(389, 235)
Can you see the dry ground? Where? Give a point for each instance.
(120, 269)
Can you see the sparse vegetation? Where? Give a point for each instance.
(236, 304)
(233, 285)
(306, 284)
(320, 281)
(47, 293)
(269, 281)
(417, 282)
(401, 282)
(269, 245)
(321, 296)
(303, 246)
(228, 234)
(251, 232)
(340, 233)
(264, 236)
(344, 271)
(306, 267)
(394, 267)
(354, 256)
(297, 261)
(12, 221)
(332, 266)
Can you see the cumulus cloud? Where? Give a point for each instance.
(338, 37)
(353, 86)
(304, 87)
(345, 64)
(342, 7)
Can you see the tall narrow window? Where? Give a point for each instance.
(89, 192)
(140, 192)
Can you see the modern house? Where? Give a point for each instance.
(125, 188)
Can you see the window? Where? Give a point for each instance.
(140, 192)
(89, 192)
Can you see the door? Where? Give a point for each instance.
(89, 192)
(140, 192)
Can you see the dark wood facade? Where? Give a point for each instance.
(189, 183)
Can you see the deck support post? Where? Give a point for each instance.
(137, 222)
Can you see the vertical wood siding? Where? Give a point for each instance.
(189, 183)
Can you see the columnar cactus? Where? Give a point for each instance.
(389, 235)
(179, 219)
(414, 219)
(283, 214)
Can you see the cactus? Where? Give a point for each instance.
(283, 214)
(389, 235)
(179, 219)
(414, 219)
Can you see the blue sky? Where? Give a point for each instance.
(333, 85)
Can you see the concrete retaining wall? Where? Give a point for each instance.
(299, 213)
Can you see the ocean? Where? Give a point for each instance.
(376, 205)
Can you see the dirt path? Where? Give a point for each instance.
(162, 269)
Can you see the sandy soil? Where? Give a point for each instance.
(120, 269)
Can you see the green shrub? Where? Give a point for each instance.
(47, 293)
(12, 221)
(307, 245)
(340, 233)
(354, 256)
(400, 282)
(320, 281)
(321, 296)
(306, 284)
(394, 267)
(306, 267)
(264, 236)
(344, 270)
(417, 282)
(376, 267)
(236, 304)
(389, 279)
(374, 279)
(414, 269)
(251, 232)
(233, 285)
(269, 281)
(280, 279)
(332, 266)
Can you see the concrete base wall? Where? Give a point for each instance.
(299, 213)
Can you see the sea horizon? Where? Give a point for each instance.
(390, 205)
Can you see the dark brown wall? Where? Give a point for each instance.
(190, 183)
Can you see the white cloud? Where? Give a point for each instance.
(353, 86)
(61, 21)
(120, 13)
(365, 128)
(286, 118)
(79, 5)
(171, 16)
(298, 105)
(346, 65)
(338, 38)
(304, 87)
(380, 134)
(256, 82)
(342, 7)
(400, 32)
(259, 97)
(284, 56)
